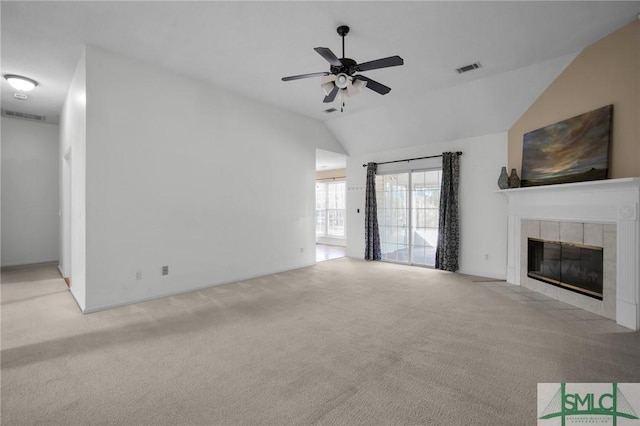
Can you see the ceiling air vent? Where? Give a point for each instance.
(468, 68)
(23, 115)
(330, 110)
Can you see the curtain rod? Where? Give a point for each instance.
(332, 178)
(411, 159)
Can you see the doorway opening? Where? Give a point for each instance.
(65, 258)
(331, 205)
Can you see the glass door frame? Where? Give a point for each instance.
(410, 219)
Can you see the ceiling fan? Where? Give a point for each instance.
(342, 78)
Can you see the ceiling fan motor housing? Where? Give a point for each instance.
(349, 66)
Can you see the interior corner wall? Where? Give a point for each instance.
(29, 192)
(482, 209)
(215, 186)
(607, 72)
(72, 181)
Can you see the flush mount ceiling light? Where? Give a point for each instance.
(18, 82)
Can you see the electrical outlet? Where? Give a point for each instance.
(486, 257)
(301, 249)
(138, 275)
(165, 270)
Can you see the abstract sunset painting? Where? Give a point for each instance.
(572, 150)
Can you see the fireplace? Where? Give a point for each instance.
(575, 267)
(598, 213)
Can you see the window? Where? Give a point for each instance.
(330, 209)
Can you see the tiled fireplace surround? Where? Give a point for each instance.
(593, 234)
(600, 213)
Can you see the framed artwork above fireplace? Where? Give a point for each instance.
(572, 150)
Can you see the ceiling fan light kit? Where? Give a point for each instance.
(359, 84)
(352, 90)
(327, 87)
(341, 81)
(342, 78)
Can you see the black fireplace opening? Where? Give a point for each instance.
(575, 267)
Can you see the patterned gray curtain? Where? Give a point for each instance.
(371, 231)
(449, 226)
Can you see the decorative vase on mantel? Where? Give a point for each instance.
(514, 180)
(503, 179)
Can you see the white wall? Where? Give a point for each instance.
(477, 107)
(29, 192)
(483, 227)
(332, 241)
(72, 180)
(217, 187)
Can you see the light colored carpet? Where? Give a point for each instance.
(342, 342)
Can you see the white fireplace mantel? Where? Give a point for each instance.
(612, 201)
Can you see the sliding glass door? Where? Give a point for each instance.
(393, 215)
(408, 205)
(425, 208)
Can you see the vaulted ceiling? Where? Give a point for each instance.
(246, 47)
